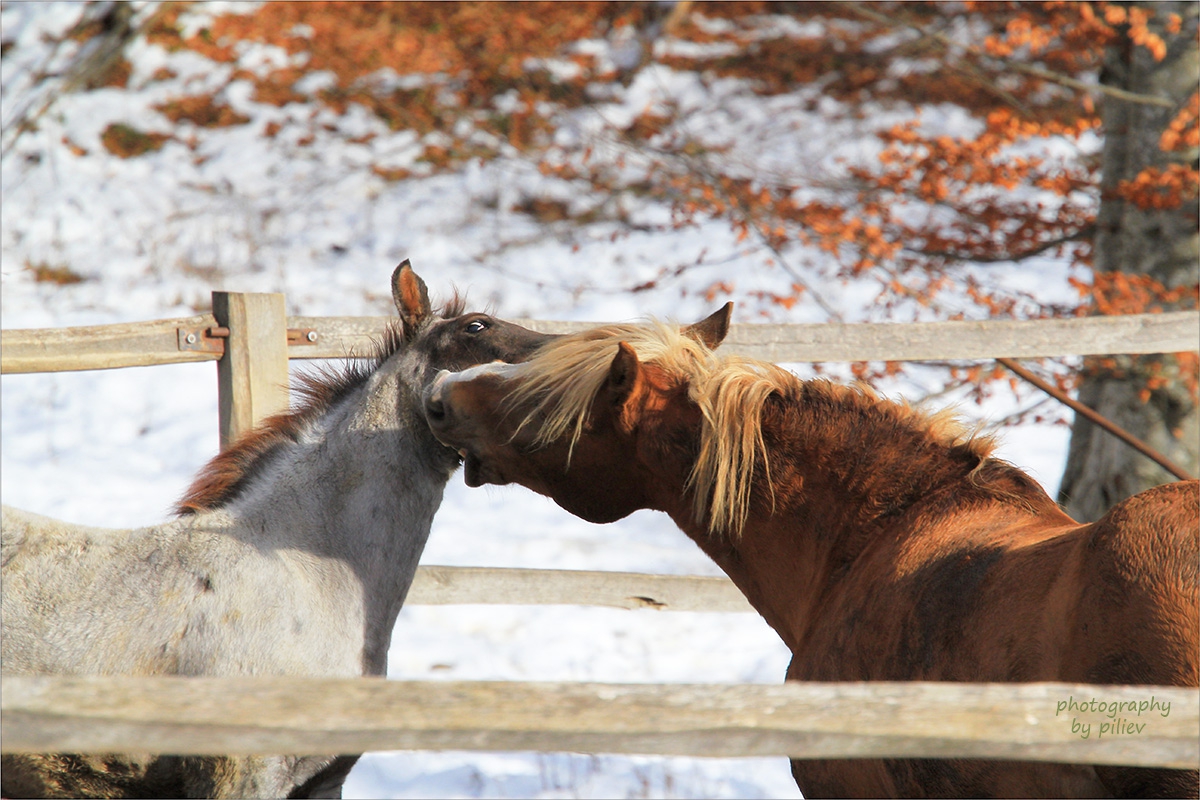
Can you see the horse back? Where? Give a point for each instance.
(1140, 600)
(73, 598)
(20, 529)
(1140, 611)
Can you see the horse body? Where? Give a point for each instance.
(880, 543)
(292, 556)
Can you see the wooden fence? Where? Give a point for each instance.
(252, 339)
(807, 720)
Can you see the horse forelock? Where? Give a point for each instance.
(456, 306)
(559, 383)
(227, 474)
(560, 380)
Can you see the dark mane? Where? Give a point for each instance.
(897, 454)
(228, 474)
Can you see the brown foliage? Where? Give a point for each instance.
(201, 110)
(127, 142)
(58, 274)
(475, 80)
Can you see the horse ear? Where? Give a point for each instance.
(411, 296)
(711, 330)
(624, 374)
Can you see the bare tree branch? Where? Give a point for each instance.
(1082, 233)
(1016, 66)
(94, 59)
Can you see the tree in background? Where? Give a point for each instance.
(974, 159)
(1146, 236)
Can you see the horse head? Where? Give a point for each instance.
(586, 421)
(456, 339)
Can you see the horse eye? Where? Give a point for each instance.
(475, 326)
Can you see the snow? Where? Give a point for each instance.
(153, 235)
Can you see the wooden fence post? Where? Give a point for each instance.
(252, 376)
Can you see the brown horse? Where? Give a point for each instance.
(881, 543)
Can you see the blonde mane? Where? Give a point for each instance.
(560, 382)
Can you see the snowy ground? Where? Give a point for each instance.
(152, 236)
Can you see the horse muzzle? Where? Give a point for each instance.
(437, 412)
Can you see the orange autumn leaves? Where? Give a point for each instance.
(453, 60)
(1064, 32)
(987, 197)
(472, 80)
(1115, 293)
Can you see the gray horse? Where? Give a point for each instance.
(291, 555)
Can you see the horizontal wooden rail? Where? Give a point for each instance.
(145, 343)
(126, 344)
(805, 720)
(925, 341)
(434, 585)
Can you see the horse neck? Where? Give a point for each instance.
(352, 500)
(840, 470)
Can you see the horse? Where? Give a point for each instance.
(291, 554)
(881, 542)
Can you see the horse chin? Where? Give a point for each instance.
(473, 470)
(596, 514)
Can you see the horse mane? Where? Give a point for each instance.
(228, 474)
(562, 379)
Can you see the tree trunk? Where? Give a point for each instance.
(1160, 243)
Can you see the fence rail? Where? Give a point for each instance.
(144, 343)
(803, 720)
(436, 585)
